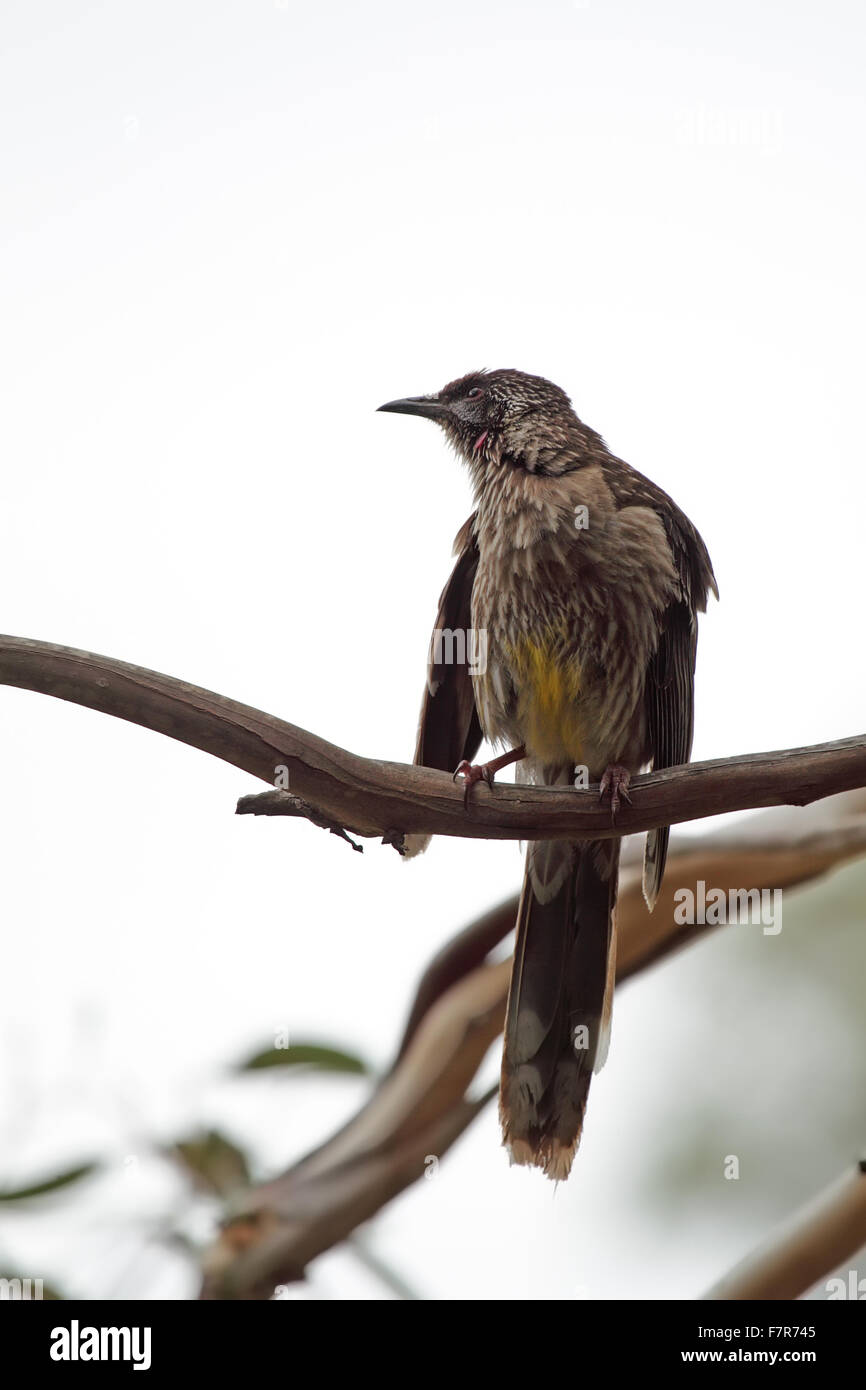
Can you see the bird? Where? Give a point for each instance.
(579, 582)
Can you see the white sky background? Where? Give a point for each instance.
(229, 232)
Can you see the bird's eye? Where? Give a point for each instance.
(474, 394)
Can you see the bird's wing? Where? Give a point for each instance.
(669, 690)
(449, 729)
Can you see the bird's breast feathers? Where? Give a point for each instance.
(546, 682)
(531, 691)
(570, 622)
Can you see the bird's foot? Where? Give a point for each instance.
(472, 773)
(616, 780)
(485, 772)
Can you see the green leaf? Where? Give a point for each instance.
(40, 1189)
(213, 1162)
(307, 1055)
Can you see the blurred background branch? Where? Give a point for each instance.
(424, 1104)
(817, 1240)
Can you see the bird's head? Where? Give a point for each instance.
(491, 416)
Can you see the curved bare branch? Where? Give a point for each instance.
(370, 797)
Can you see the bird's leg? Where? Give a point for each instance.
(615, 780)
(485, 772)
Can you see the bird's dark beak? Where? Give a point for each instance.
(428, 406)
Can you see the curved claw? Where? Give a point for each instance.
(472, 773)
(615, 780)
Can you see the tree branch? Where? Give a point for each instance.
(817, 1240)
(370, 797)
(423, 1104)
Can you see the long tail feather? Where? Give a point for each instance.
(559, 1003)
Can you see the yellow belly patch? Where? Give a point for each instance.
(548, 700)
